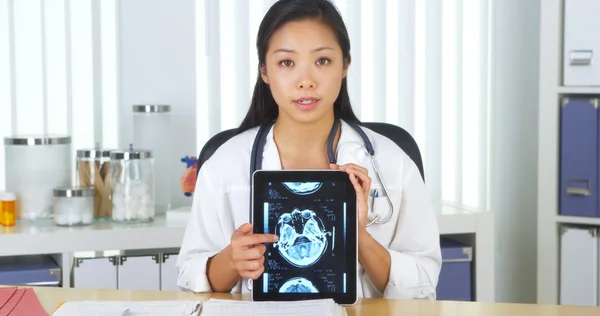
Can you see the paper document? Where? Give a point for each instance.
(125, 308)
(325, 307)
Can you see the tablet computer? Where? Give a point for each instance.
(314, 214)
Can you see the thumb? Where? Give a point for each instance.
(244, 229)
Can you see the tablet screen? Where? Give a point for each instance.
(316, 224)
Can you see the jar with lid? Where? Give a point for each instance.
(132, 181)
(73, 206)
(93, 170)
(152, 130)
(35, 165)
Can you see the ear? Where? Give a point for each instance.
(263, 74)
(346, 66)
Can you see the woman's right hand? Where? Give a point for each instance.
(247, 251)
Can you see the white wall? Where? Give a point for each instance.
(156, 48)
(157, 66)
(513, 188)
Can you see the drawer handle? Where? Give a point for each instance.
(581, 57)
(579, 191)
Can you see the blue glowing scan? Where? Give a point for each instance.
(298, 285)
(303, 188)
(302, 237)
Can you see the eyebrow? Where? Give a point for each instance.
(318, 49)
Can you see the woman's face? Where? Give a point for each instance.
(304, 69)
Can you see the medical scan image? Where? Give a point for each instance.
(302, 237)
(298, 285)
(303, 188)
(309, 218)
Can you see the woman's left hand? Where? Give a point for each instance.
(359, 177)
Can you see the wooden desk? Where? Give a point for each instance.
(51, 297)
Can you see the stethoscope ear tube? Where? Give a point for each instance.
(376, 219)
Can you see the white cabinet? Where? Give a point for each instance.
(95, 273)
(168, 273)
(581, 50)
(139, 273)
(127, 271)
(579, 266)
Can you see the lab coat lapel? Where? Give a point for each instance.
(351, 148)
(271, 159)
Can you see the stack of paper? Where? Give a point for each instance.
(17, 301)
(137, 308)
(325, 307)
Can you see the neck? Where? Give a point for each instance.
(295, 139)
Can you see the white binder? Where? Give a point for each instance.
(578, 266)
(581, 50)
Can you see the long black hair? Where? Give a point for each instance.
(263, 107)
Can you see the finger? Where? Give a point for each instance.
(353, 166)
(250, 265)
(256, 274)
(243, 230)
(252, 274)
(256, 239)
(357, 187)
(333, 166)
(254, 253)
(364, 180)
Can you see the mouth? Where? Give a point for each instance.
(307, 103)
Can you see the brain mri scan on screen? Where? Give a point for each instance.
(303, 188)
(310, 220)
(302, 237)
(298, 285)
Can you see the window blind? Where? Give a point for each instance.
(420, 64)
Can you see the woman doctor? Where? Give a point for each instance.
(304, 55)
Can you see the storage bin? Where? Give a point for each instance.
(581, 44)
(578, 266)
(34, 270)
(455, 281)
(579, 157)
(96, 272)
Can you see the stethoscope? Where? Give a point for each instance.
(261, 139)
(256, 164)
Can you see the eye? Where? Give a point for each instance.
(323, 61)
(286, 63)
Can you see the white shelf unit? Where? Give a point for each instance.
(109, 239)
(551, 90)
(562, 90)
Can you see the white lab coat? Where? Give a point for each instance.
(221, 205)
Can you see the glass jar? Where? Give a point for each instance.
(151, 130)
(73, 206)
(35, 165)
(93, 170)
(132, 181)
(8, 208)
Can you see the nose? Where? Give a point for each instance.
(307, 82)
